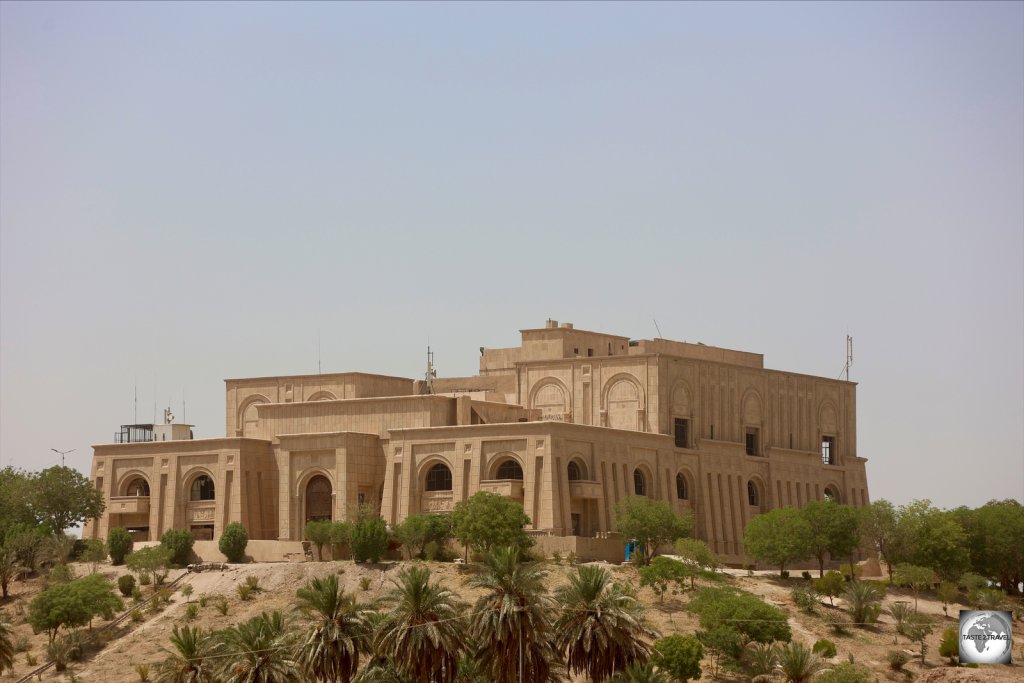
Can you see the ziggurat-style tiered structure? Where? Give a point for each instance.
(567, 424)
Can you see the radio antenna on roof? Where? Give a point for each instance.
(845, 374)
(660, 335)
(431, 372)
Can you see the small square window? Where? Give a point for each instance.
(682, 433)
(752, 441)
(828, 450)
(590, 352)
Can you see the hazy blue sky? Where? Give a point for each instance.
(191, 191)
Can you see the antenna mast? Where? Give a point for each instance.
(431, 372)
(845, 374)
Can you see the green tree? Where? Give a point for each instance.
(6, 647)
(511, 621)
(337, 633)
(640, 672)
(799, 663)
(9, 568)
(189, 659)
(233, 541)
(179, 542)
(862, 601)
(420, 633)
(95, 552)
(721, 610)
(318, 532)
(62, 498)
(151, 561)
(27, 545)
(947, 592)
(119, 543)
(950, 646)
(916, 578)
(15, 501)
(936, 539)
(601, 627)
(258, 651)
(341, 534)
(369, 538)
(834, 530)
(661, 572)
(997, 543)
(832, 584)
(651, 523)
(880, 528)
(417, 530)
(679, 656)
(778, 538)
(69, 605)
(695, 553)
(486, 520)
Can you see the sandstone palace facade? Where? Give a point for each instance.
(567, 423)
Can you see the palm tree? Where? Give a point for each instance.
(258, 651)
(330, 649)
(761, 658)
(799, 663)
(6, 647)
(421, 634)
(641, 673)
(601, 628)
(511, 621)
(862, 598)
(189, 661)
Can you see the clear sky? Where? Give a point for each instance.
(196, 191)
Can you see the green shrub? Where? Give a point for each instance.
(203, 599)
(222, 606)
(832, 585)
(137, 615)
(839, 623)
(233, 542)
(731, 619)
(805, 575)
(847, 672)
(364, 583)
(369, 539)
(805, 599)
(245, 591)
(179, 542)
(679, 656)
(119, 544)
(825, 648)
(191, 611)
(137, 594)
(126, 584)
(896, 659)
(319, 532)
(950, 646)
(253, 582)
(143, 671)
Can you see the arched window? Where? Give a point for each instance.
(831, 494)
(137, 487)
(574, 472)
(318, 498)
(202, 488)
(439, 478)
(639, 483)
(510, 469)
(681, 492)
(752, 496)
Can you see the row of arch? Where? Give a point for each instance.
(200, 488)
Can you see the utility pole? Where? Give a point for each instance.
(62, 454)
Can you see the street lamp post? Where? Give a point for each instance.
(62, 454)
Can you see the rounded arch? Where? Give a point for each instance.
(306, 475)
(436, 475)
(551, 397)
(506, 465)
(828, 420)
(131, 482)
(200, 486)
(684, 485)
(752, 408)
(680, 400)
(322, 396)
(756, 493)
(577, 468)
(247, 416)
(623, 401)
(832, 492)
(616, 379)
(318, 498)
(643, 481)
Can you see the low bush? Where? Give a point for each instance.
(119, 544)
(805, 599)
(245, 592)
(950, 646)
(222, 606)
(126, 584)
(179, 542)
(825, 648)
(897, 659)
(233, 541)
(191, 611)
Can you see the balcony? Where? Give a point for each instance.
(436, 501)
(584, 489)
(128, 505)
(509, 488)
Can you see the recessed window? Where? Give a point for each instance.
(439, 478)
(639, 483)
(138, 487)
(590, 352)
(828, 450)
(682, 433)
(752, 494)
(831, 494)
(682, 492)
(510, 469)
(574, 472)
(753, 447)
(202, 488)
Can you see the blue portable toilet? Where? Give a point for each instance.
(632, 546)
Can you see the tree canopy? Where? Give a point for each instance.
(778, 538)
(56, 499)
(486, 520)
(651, 523)
(833, 530)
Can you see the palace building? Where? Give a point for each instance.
(567, 424)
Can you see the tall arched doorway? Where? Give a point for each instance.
(318, 499)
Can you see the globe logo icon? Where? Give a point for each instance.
(985, 637)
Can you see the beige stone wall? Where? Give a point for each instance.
(365, 416)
